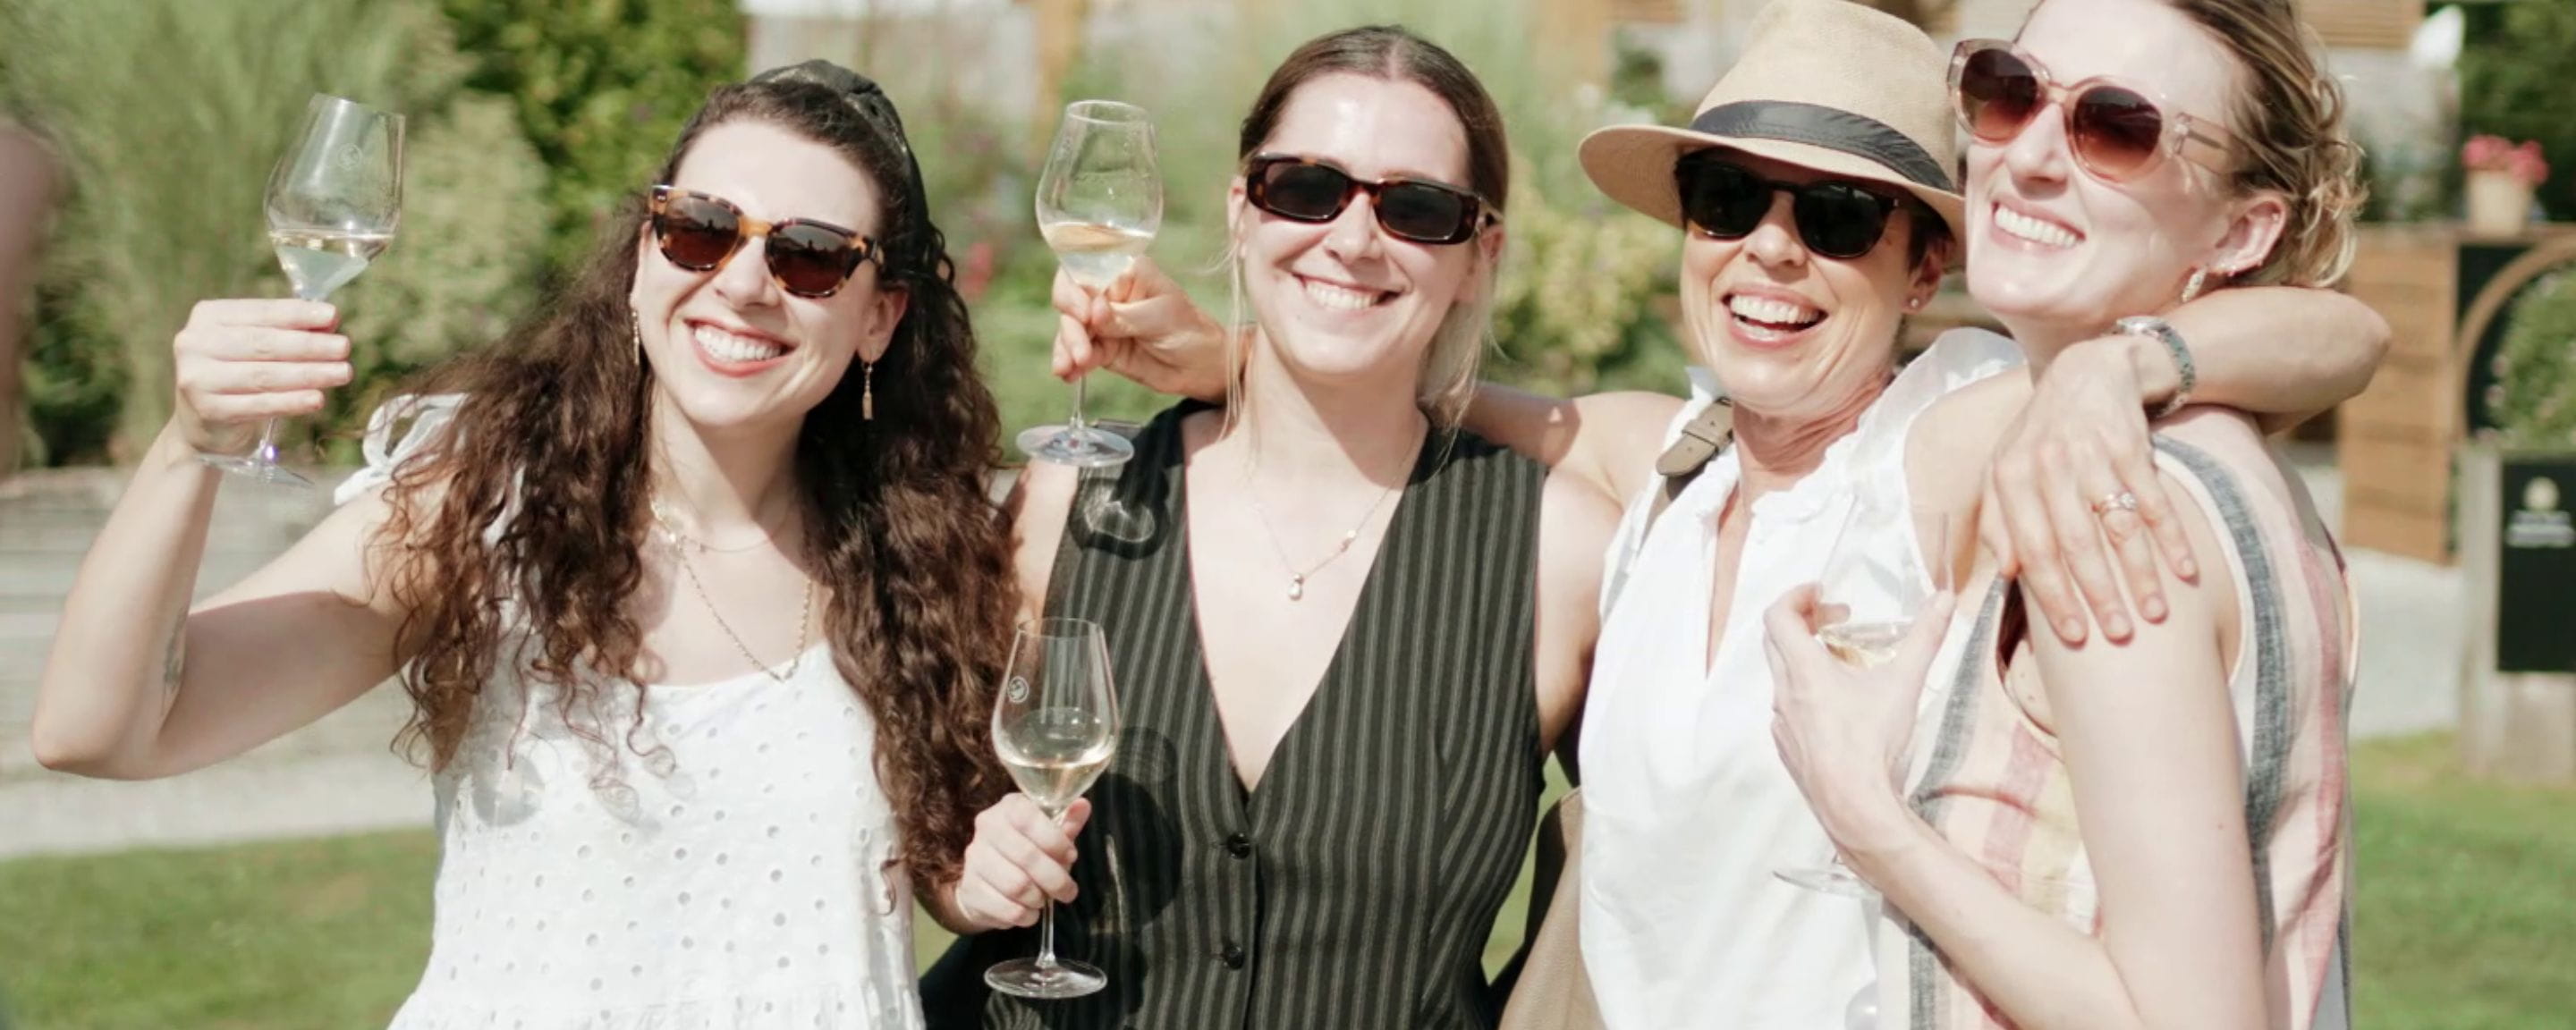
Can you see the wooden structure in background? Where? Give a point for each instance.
(2364, 24)
(2394, 442)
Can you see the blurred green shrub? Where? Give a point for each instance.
(2513, 83)
(2533, 401)
(601, 88)
(169, 156)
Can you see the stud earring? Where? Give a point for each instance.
(2192, 288)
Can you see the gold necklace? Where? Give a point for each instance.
(1297, 579)
(672, 536)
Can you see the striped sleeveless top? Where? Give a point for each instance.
(1990, 778)
(1356, 886)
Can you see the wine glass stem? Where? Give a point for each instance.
(1078, 382)
(1046, 937)
(266, 452)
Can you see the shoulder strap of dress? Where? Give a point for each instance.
(1707, 434)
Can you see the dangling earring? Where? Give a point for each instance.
(635, 332)
(2192, 289)
(867, 390)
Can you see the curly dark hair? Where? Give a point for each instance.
(910, 547)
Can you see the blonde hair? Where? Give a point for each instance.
(2288, 120)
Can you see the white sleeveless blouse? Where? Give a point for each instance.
(728, 863)
(1687, 807)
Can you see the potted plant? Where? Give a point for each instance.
(2501, 177)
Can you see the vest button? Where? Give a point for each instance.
(1231, 955)
(1239, 846)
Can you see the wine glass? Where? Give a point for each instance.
(1874, 586)
(1887, 562)
(333, 202)
(1100, 202)
(1055, 726)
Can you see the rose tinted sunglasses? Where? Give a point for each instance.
(698, 232)
(1306, 190)
(2116, 132)
(1839, 220)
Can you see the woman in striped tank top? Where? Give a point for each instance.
(1345, 632)
(2074, 842)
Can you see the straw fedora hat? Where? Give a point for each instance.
(1828, 85)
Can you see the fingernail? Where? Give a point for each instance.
(2190, 569)
(2154, 609)
(2070, 629)
(2115, 626)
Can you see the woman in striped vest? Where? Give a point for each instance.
(1345, 633)
(2149, 831)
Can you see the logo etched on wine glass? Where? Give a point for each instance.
(1017, 690)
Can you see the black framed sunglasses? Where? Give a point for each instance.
(1303, 189)
(1726, 200)
(2116, 131)
(700, 231)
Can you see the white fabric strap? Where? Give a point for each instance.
(423, 419)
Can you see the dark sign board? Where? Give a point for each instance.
(2536, 570)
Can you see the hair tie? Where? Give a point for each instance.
(870, 100)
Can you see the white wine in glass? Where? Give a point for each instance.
(333, 203)
(1099, 203)
(1055, 726)
(1054, 754)
(1887, 562)
(319, 263)
(1095, 253)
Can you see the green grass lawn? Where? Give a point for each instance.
(2465, 918)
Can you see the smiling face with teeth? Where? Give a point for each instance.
(2059, 254)
(1794, 335)
(730, 350)
(1343, 301)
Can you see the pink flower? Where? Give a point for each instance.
(2523, 161)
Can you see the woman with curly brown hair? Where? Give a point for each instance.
(695, 585)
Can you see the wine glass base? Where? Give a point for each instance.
(1831, 879)
(1023, 977)
(1082, 447)
(255, 469)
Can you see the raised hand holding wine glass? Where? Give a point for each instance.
(1055, 726)
(334, 201)
(1099, 204)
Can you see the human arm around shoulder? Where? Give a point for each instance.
(2148, 734)
(1144, 327)
(2282, 353)
(138, 684)
(1575, 525)
(2277, 352)
(1606, 441)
